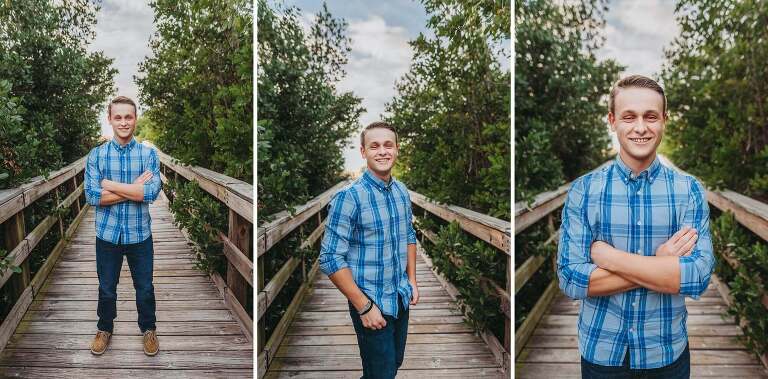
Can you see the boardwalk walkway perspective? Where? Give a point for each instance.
(546, 344)
(201, 331)
(315, 337)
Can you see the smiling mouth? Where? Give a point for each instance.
(385, 160)
(640, 140)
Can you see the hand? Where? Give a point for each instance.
(599, 252)
(373, 319)
(681, 244)
(143, 178)
(414, 293)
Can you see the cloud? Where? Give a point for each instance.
(123, 30)
(637, 33)
(380, 55)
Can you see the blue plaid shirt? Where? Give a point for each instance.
(368, 230)
(635, 214)
(128, 221)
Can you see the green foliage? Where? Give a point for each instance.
(747, 282)
(304, 120)
(452, 107)
(198, 83)
(473, 277)
(146, 128)
(560, 127)
(202, 216)
(6, 263)
(52, 89)
(718, 86)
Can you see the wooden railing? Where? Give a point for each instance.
(491, 230)
(66, 183)
(750, 213)
(238, 197)
(269, 234)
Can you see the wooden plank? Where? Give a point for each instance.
(130, 342)
(237, 198)
(192, 328)
(14, 317)
(266, 356)
(537, 312)
(112, 373)
(275, 285)
(237, 259)
(284, 222)
(402, 373)
(409, 363)
(496, 233)
(129, 359)
(698, 357)
(19, 247)
(50, 262)
(527, 269)
(242, 317)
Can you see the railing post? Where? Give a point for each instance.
(58, 215)
(239, 234)
(14, 233)
(76, 203)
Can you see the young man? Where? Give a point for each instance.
(369, 253)
(634, 243)
(121, 178)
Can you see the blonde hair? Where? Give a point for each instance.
(120, 100)
(636, 81)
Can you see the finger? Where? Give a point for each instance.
(676, 237)
(689, 234)
(688, 246)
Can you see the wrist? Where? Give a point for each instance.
(360, 302)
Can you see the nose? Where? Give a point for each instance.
(641, 127)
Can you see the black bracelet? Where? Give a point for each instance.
(368, 308)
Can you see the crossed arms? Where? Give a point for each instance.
(588, 267)
(103, 192)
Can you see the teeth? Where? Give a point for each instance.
(641, 140)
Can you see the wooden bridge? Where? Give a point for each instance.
(315, 338)
(546, 344)
(203, 327)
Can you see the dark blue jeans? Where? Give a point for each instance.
(679, 369)
(382, 350)
(109, 262)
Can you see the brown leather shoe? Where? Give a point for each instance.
(100, 342)
(151, 344)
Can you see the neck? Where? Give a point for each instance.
(385, 176)
(637, 165)
(122, 141)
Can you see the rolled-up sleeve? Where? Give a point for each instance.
(153, 186)
(696, 269)
(574, 264)
(339, 230)
(92, 187)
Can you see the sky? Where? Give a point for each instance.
(380, 31)
(122, 32)
(636, 34)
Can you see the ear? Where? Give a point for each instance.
(612, 121)
(362, 151)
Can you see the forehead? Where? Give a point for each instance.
(638, 100)
(379, 135)
(122, 109)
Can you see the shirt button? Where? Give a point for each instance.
(640, 251)
(631, 330)
(634, 305)
(639, 223)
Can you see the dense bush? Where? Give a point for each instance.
(718, 86)
(452, 107)
(304, 121)
(561, 130)
(52, 89)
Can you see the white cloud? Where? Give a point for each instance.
(380, 55)
(123, 30)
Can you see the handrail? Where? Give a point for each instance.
(269, 234)
(13, 203)
(748, 212)
(493, 231)
(238, 197)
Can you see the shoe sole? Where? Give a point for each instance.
(151, 354)
(98, 353)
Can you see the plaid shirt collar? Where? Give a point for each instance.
(648, 174)
(127, 147)
(374, 180)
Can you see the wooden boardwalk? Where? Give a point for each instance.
(198, 335)
(321, 341)
(552, 351)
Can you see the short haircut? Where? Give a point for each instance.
(120, 100)
(375, 125)
(636, 81)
